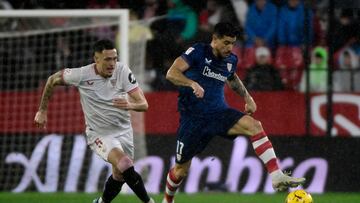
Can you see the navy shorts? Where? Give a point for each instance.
(195, 132)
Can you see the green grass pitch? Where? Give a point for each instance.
(180, 198)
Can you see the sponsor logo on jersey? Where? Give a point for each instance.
(207, 72)
(208, 61)
(131, 78)
(90, 82)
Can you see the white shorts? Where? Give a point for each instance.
(102, 145)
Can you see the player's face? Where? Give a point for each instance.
(106, 62)
(224, 45)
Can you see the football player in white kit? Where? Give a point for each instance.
(108, 90)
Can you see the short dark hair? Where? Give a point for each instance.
(226, 29)
(103, 44)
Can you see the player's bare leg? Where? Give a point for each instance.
(123, 169)
(174, 180)
(265, 151)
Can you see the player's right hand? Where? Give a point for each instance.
(198, 90)
(40, 119)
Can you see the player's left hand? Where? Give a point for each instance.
(122, 103)
(250, 106)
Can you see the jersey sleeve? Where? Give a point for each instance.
(72, 76)
(234, 65)
(128, 79)
(191, 54)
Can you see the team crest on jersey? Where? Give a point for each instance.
(131, 78)
(67, 71)
(113, 82)
(229, 66)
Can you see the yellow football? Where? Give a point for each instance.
(299, 196)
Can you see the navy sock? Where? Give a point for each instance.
(112, 188)
(135, 182)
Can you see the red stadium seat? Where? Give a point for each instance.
(237, 50)
(248, 57)
(289, 61)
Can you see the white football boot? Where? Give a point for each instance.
(282, 181)
(98, 200)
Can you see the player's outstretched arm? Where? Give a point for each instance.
(176, 75)
(235, 83)
(41, 115)
(136, 102)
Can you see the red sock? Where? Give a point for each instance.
(172, 184)
(265, 151)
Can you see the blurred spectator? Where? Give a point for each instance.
(7, 24)
(139, 31)
(105, 32)
(347, 4)
(241, 9)
(260, 25)
(279, 3)
(178, 11)
(218, 11)
(103, 4)
(318, 71)
(5, 5)
(291, 24)
(347, 78)
(263, 76)
(170, 36)
(319, 23)
(229, 15)
(346, 29)
(210, 15)
(139, 34)
(151, 8)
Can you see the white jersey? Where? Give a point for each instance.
(96, 93)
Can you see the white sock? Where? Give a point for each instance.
(265, 151)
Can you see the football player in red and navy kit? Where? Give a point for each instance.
(201, 73)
